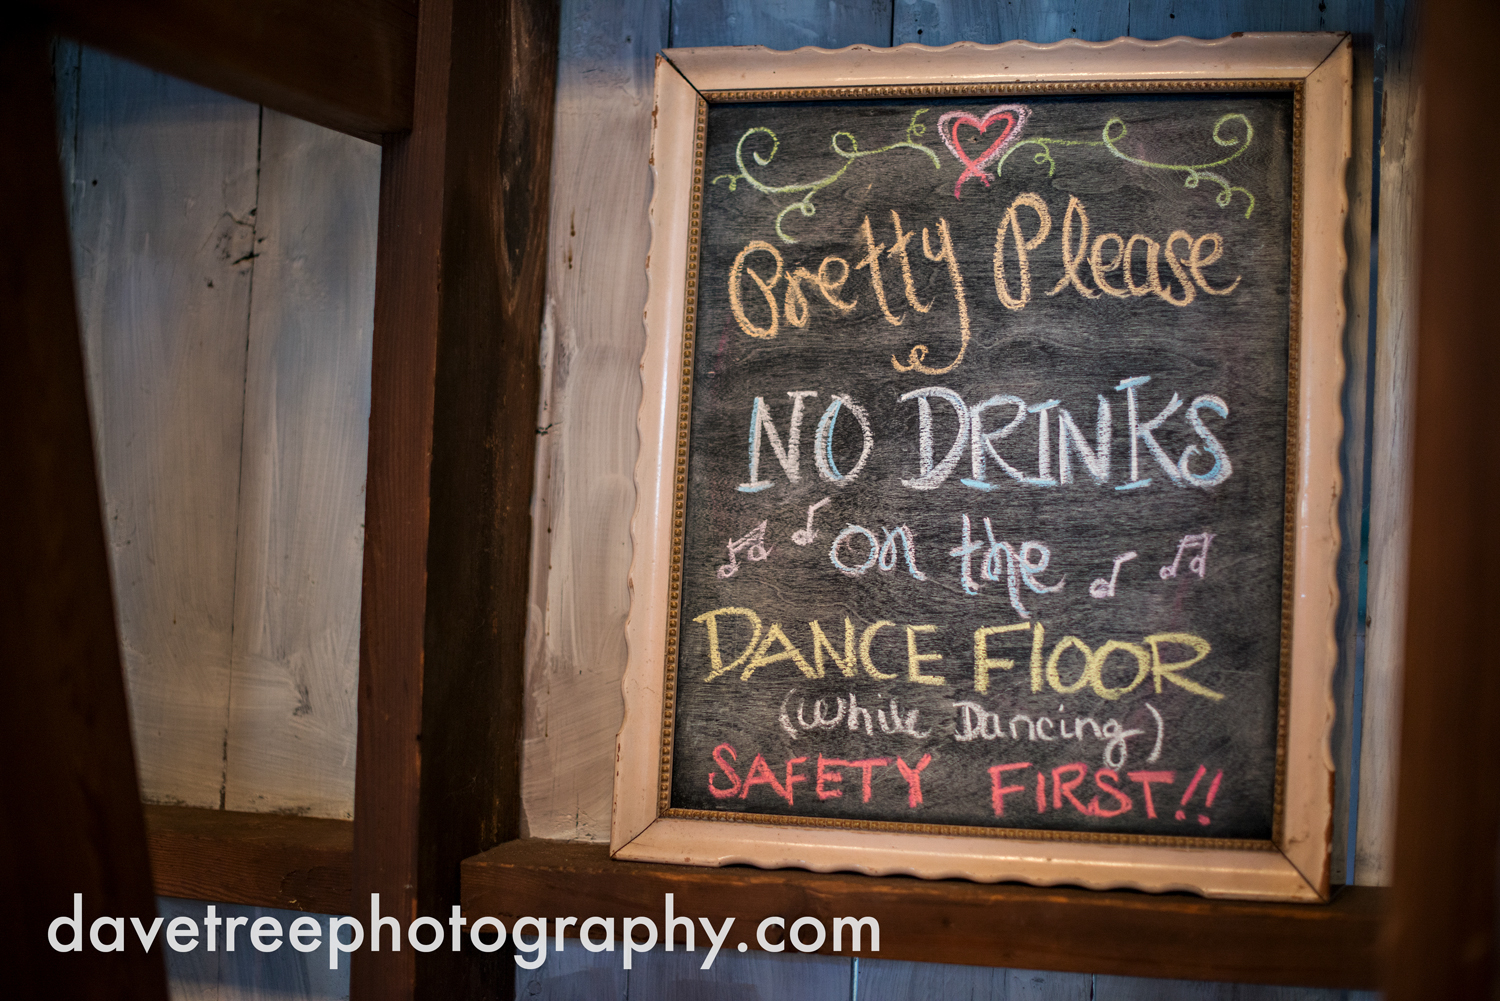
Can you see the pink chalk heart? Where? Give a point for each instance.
(1013, 115)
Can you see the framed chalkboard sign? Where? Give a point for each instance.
(986, 520)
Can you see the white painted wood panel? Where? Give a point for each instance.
(231, 432)
(292, 706)
(1390, 499)
(738, 976)
(191, 976)
(1140, 989)
(578, 975)
(1353, 454)
(194, 286)
(163, 198)
(886, 980)
(781, 24)
(1165, 18)
(591, 389)
(942, 22)
(574, 974)
(247, 974)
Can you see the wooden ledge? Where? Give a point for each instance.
(267, 859)
(954, 921)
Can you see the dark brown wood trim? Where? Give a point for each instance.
(266, 859)
(955, 921)
(458, 306)
(345, 64)
(72, 821)
(1444, 914)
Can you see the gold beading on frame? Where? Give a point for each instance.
(684, 420)
(1293, 469)
(679, 488)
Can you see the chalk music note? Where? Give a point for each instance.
(804, 536)
(1102, 588)
(1197, 564)
(754, 541)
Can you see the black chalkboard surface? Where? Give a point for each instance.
(985, 505)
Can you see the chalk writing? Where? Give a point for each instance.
(1115, 130)
(858, 715)
(761, 424)
(1208, 801)
(960, 405)
(1060, 466)
(883, 552)
(1102, 588)
(975, 722)
(1024, 228)
(1013, 115)
(752, 544)
(1197, 564)
(1023, 563)
(805, 536)
(827, 778)
(849, 154)
(1057, 788)
(1151, 657)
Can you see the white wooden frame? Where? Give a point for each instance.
(1299, 869)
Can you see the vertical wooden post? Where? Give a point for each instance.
(458, 305)
(72, 821)
(1442, 925)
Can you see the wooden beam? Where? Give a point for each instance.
(265, 859)
(954, 921)
(1444, 914)
(458, 305)
(345, 64)
(73, 815)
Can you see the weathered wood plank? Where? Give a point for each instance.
(883, 980)
(1444, 913)
(264, 859)
(947, 21)
(586, 445)
(1134, 989)
(292, 706)
(458, 308)
(1165, 18)
(163, 235)
(734, 976)
(942, 22)
(1354, 456)
(245, 973)
(74, 823)
(574, 974)
(67, 58)
(194, 976)
(1390, 500)
(955, 921)
(284, 975)
(781, 24)
(345, 64)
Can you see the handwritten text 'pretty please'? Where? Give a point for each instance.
(1109, 266)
